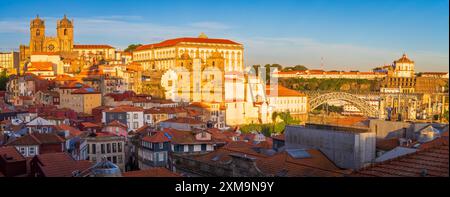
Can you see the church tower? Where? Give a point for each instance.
(37, 35)
(64, 31)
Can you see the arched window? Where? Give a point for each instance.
(38, 32)
(65, 32)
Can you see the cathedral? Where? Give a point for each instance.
(40, 42)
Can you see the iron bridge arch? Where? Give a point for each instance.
(317, 100)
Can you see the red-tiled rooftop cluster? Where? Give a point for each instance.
(431, 160)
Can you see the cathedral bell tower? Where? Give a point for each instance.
(64, 31)
(37, 35)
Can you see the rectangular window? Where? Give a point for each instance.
(31, 151)
(161, 157)
(94, 150)
(191, 148)
(102, 148)
(161, 145)
(114, 159)
(119, 147)
(108, 158)
(114, 147)
(128, 116)
(135, 116)
(108, 148)
(135, 125)
(120, 159)
(203, 147)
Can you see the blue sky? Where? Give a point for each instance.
(348, 34)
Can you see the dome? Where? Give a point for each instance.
(106, 168)
(404, 59)
(65, 22)
(202, 35)
(37, 22)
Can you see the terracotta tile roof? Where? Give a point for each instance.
(85, 91)
(193, 112)
(279, 164)
(117, 123)
(318, 165)
(11, 154)
(89, 124)
(221, 135)
(164, 110)
(434, 73)
(144, 129)
(125, 108)
(156, 137)
(92, 46)
(184, 120)
(105, 134)
(60, 164)
(173, 42)
(161, 101)
(151, 172)
(64, 78)
(73, 85)
(283, 91)
(430, 162)
(37, 139)
(40, 66)
(188, 137)
(199, 104)
(72, 130)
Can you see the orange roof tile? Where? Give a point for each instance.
(279, 164)
(125, 108)
(173, 42)
(184, 120)
(117, 123)
(283, 91)
(72, 130)
(60, 164)
(89, 124)
(430, 162)
(12, 153)
(156, 137)
(37, 139)
(85, 91)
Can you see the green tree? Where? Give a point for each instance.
(132, 47)
(446, 115)
(3, 80)
(295, 68)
